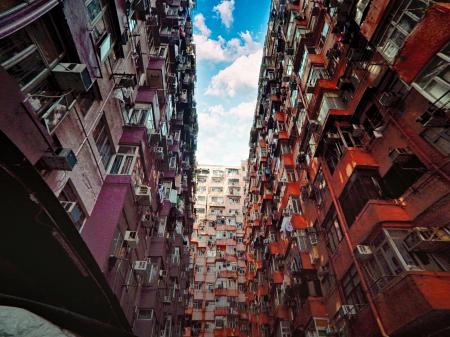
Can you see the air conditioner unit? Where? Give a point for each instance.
(132, 239)
(159, 152)
(332, 135)
(427, 239)
(166, 299)
(363, 252)
(400, 155)
(313, 239)
(388, 99)
(63, 159)
(162, 273)
(346, 311)
(143, 195)
(358, 131)
(72, 76)
(72, 209)
(140, 266)
(146, 220)
(314, 125)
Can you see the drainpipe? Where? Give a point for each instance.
(362, 277)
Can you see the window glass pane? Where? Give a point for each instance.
(116, 165)
(407, 23)
(14, 44)
(27, 69)
(102, 141)
(47, 39)
(94, 8)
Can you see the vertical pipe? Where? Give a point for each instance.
(361, 275)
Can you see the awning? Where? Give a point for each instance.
(283, 135)
(280, 116)
(288, 160)
(277, 277)
(316, 59)
(299, 222)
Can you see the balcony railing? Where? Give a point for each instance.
(51, 107)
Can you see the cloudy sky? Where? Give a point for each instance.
(229, 36)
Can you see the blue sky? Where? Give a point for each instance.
(229, 36)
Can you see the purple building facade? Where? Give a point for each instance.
(98, 97)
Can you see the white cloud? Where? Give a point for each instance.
(199, 23)
(241, 76)
(221, 50)
(225, 10)
(223, 133)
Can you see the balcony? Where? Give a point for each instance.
(51, 108)
(352, 158)
(374, 213)
(312, 307)
(415, 304)
(428, 37)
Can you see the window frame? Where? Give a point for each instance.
(134, 156)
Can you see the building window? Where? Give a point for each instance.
(390, 257)
(303, 63)
(439, 137)
(141, 114)
(145, 314)
(373, 122)
(103, 142)
(351, 286)
(402, 175)
(404, 21)
(315, 74)
(123, 162)
(330, 100)
(320, 188)
(324, 34)
(362, 186)
(285, 329)
(28, 54)
(333, 231)
(116, 243)
(70, 201)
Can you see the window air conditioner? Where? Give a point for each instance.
(331, 135)
(400, 155)
(143, 195)
(166, 299)
(388, 99)
(146, 220)
(159, 152)
(313, 239)
(358, 131)
(140, 266)
(363, 252)
(72, 209)
(72, 76)
(346, 311)
(63, 159)
(132, 238)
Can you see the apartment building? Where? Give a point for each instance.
(347, 213)
(217, 304)
(98, 134)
